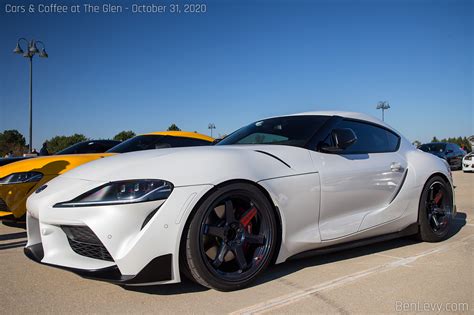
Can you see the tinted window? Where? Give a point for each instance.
(149, 142)
(291, 130)
(370, 138)
(433, 147)
(89, 147)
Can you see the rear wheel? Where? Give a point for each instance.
(435, 210)
(231, 238)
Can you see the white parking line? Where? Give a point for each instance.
(288, 299)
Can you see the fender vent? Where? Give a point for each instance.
(84, 242)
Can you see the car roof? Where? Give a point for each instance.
(352, 115)
(101, 141)
(184, 134)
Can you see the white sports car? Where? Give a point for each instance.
(468, 163)
(278, 188)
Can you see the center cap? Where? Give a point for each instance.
(231, 234)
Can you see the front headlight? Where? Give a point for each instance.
(122, 192)
(20, 178)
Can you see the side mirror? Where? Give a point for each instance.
(342, 139)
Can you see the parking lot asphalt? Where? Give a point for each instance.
(402, 275)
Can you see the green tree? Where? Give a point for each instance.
(463, 142)
(12, 140)
(124, 135)
(173, 127)
(416, 143)
(58, 143)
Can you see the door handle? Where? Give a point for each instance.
(395, 167)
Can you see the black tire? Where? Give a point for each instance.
(435, 210)
(236, 219)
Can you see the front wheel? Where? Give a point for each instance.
(231, 238)
(435, 210)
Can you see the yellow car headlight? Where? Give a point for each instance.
(20, 178)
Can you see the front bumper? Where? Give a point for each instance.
(158, 270)
(141, 240)
(467, 166)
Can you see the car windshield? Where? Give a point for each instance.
(149, 142)
(433, 147)
(290, 130)
(89, 147)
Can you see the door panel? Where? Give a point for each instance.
(353, 186)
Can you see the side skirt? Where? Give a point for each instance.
(410, 230)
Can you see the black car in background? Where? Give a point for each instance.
(451, 152)
(90, 146)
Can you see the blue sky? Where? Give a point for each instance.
(241, 61)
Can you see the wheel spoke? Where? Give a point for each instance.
(214, 231)
(248, 216)
(222, 251)
(254, 239)
(240, 256)
(440, 211)
(229, 211)
(435, 221)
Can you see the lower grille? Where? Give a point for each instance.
(3, 205)
(85, 243)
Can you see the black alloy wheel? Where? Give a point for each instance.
(436, 210)
(231, 238)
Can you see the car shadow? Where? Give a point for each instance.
(459, 221)
(15, 237)
(291, 266)
(15, 224)
(12, 236)
(13, 245)
(185, 286)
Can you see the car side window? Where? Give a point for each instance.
(370, 138)
(176, 142)
(450, 147)
(99, 147)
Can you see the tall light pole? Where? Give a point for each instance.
(211, 126)
(31, 50)
(383, 106)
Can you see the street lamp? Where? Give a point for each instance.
(211, 126)
(383, 106)
(31, 50)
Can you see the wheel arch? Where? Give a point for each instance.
(445, 178)
(189, 218)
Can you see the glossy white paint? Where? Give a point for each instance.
(467, 164)
(322, 199)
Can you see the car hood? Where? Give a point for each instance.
(50, 165)
(200, 165)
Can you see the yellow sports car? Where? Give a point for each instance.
(19, 180)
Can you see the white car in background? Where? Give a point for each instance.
(278, 188)
(467, 163)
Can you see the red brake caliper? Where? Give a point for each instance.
(438, 197)
(245, 220)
